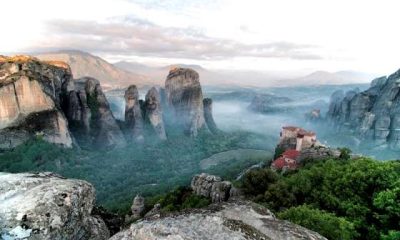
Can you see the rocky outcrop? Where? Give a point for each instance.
(212, 187)
(133, 113)
(317, 153)
(373, 114)
(207, 102)
(89, 114)
(30, 92)
(268, 103)
(185, 100)
(47, 206)
(229, 220)
(137, 206)
(40, 98)
(153, 112)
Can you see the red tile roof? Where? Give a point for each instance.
(291, 153)
(288, 160)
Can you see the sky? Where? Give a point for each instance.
(262, 35)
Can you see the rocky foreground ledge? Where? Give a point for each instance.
(48, 206)
(234, 219)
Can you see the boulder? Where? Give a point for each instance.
(30, 91)
(208, 116)
(211, 186)
(133, 113)
(47, 206)
(153, 112)
(185, 100)
(229, 220)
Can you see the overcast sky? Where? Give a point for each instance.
(253, 35)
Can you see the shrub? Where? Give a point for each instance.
(257, 181)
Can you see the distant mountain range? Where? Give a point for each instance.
(123, 73)
(84, 64)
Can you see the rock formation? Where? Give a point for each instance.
(133, 113)
(212, 187)
(30, 101)
(41, 99)
(137, 206)
(47, 206)
(185, 99)
(372, 114)
(207, 102)
(89, 113)
(153, 112)
(317, 153)
(225, 221)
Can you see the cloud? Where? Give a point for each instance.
(133, 36)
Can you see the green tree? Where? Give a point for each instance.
(327, 224)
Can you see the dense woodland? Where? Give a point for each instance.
(339, 198)
(150, 168)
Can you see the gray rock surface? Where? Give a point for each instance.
(211, 186)
(185, 99)
(46, 206)
(373, 114)
(229, 220)
(153, 112)
(317, 153)
(137, 207)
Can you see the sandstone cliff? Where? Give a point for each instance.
(47, 206)
(41, 99)
(185, 99)
(30, 101)
(372, 114)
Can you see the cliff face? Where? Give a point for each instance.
(30, 101)
(185, 99)
(208, 116)
(47, 206)
(153, 112)
(374, 113)
(41, 99)
(96, 118)
(133, 113)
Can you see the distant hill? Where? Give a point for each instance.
(85, 64)
(335, 78)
